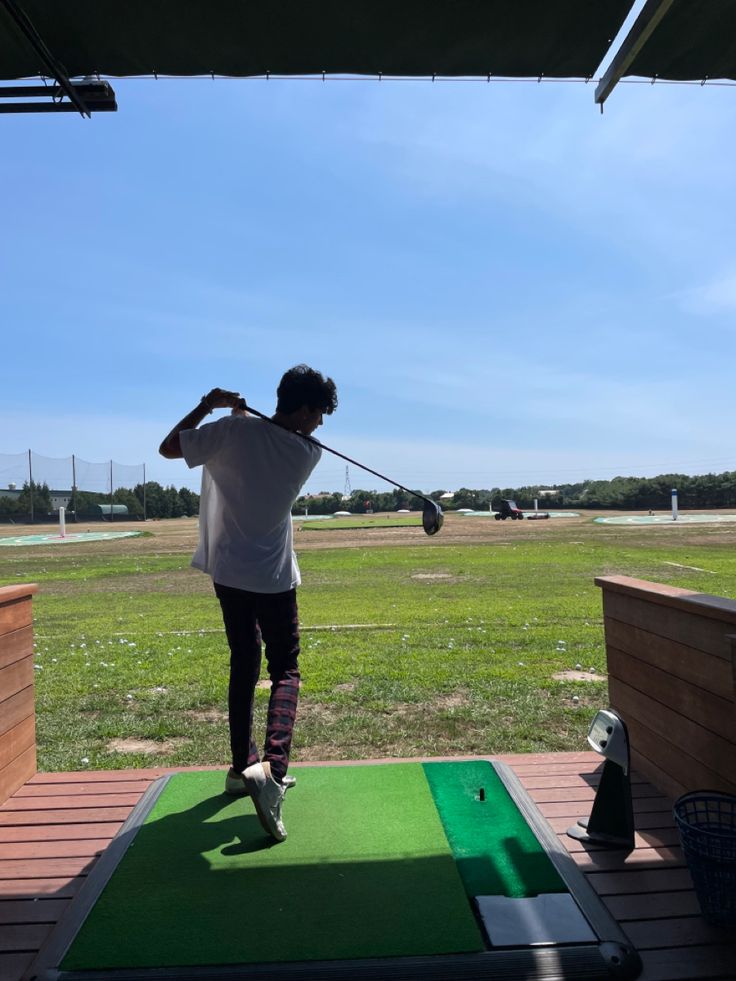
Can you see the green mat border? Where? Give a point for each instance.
(612, 957)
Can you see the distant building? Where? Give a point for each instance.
(60, 499)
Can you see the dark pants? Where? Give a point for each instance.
(249, 617)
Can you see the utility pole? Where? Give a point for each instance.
(347, 492)
(30, 484)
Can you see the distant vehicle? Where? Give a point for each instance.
(508, 509)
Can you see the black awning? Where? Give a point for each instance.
(692, 42)
(513, 38)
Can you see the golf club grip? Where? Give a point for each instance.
(310, 439)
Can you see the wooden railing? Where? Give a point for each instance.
(672, 678)
(17, 709)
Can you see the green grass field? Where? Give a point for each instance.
(426, 647)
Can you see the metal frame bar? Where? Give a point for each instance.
(642, 29)
(55, 68)
(96, 96)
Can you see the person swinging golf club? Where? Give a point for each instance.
(252, 474)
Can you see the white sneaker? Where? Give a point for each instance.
(268, 796)
(235, 784)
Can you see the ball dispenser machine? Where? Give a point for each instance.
(611, 822)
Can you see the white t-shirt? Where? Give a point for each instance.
(253, 472)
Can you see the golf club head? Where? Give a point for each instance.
(432, 517)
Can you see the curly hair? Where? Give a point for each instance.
(302, 385)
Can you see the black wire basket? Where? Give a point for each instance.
(706, 821)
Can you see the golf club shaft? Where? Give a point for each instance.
(311, 439)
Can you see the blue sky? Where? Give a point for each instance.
(507, 287)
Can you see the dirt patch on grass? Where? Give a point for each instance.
(435, 575)
(578, 676)
(149, 747)
(206, 715)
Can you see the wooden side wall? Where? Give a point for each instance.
(17, 708)
(672, 678)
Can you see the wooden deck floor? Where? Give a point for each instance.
(54, 828)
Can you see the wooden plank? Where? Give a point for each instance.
(586, 760)
(582, 794)
(34, 790)
(639, 880)
(685, 931)
(673, 964)
(652, 905)
(70, 848)
(23, 937)
(675, 771)
(14, 966)
(695, 667)
(660, 594)
(19, 590)
(14, 775)
(703, 633)
(60, 832)
(654, 592)
(63, 887)
(649, 838)
(646, 810)
(15, 677)
(16, 741)
(153, 773)
(18, 803)
(673, 732)
(16, 708)
(31, 910)
(97, 776)
(608, 860)
(49, 819)
(710, 710)
(574, 781)
(15, 613)
(15, 645)
(45, 868)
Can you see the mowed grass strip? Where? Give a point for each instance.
(410, 650)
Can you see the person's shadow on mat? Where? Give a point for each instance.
(193, 832)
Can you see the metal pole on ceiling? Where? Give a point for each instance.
(642, 29)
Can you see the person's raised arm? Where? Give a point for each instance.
(218, 398)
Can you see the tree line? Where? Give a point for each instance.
(160, 502)
(707, 491)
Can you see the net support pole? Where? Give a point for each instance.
(111, 517)
(62, 523)
(144, 492)
(74, 487)
(30, 483)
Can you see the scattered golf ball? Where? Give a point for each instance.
(575, 699)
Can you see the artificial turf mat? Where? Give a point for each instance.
(367, 871)
(496, 852)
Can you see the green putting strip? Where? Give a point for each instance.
(496, 851)
(366, 872)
